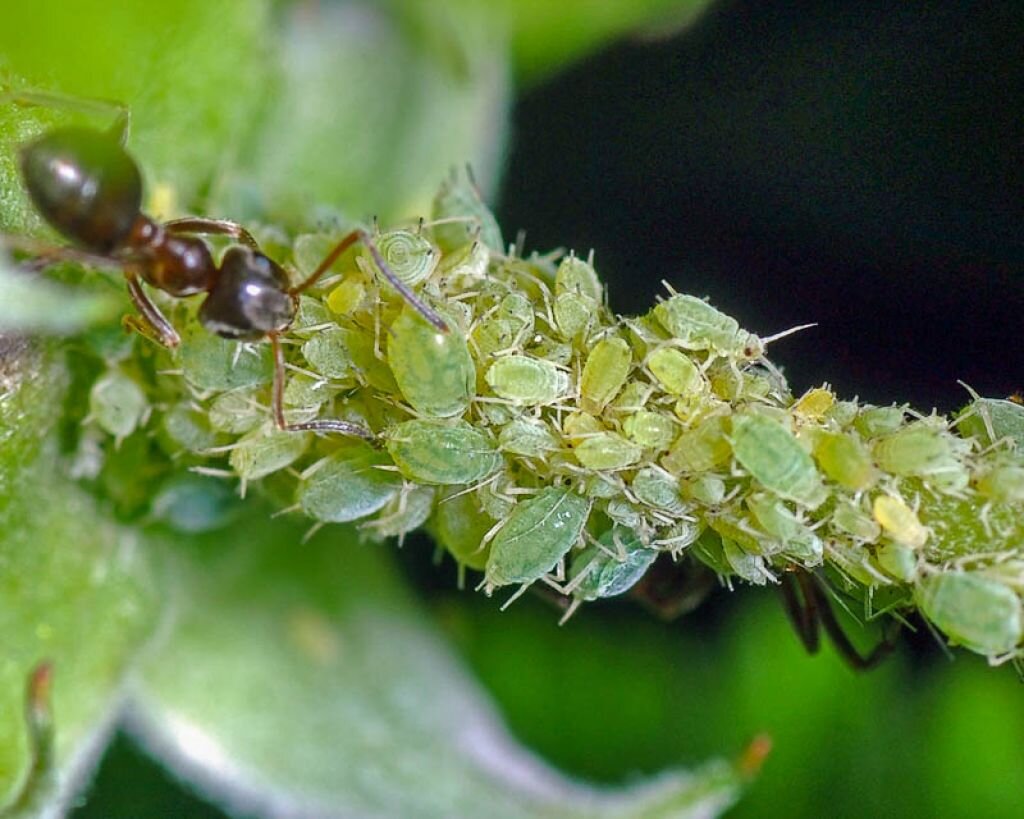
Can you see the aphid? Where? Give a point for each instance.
(459, 212)
(973, 611)
(923, 448)
(696, 325)
(404, 513)
(607, 450)
(410, 257)
(183, 428)
(525, 437)
(651, 430)
(525, 380)
(1003, 483)
(770, 453)
(659, 489)
(347, 485)
(604, 373)
(699, 449)
(264, 451)
(433, 452)
(117, 403)
(899, 521)
(845, 459)
(538, 533)
(610, 567)
(460, 526)
(993, 419)
(88, 188)
(676, 372)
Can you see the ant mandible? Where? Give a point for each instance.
(87, 187)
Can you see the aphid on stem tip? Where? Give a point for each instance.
(87, 187)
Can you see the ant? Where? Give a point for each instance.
(86, 185)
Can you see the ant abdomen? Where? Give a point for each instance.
(85, 185)
(250, 298)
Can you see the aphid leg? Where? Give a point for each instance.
(220, 227)
(39, 729)
(325, 425)
(153, 324)
(360, 235)
(93, 106)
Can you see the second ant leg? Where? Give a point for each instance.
(325, 425)
(152, 318)
(220, 227)
(360, 235)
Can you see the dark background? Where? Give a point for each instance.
(857, 166)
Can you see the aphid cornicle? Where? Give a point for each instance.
(87, 187)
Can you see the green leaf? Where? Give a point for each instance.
(32, 304)
(302, 680)
(74, 591)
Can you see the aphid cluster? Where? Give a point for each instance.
(540, 437)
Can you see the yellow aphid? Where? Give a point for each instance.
(675, 371)
(899, 521)
(346, 297)
(604, 373)
(579, 425)
(813, 404)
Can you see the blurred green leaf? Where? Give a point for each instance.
(301, 680)
(32, 304)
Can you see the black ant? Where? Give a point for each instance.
(88, 188)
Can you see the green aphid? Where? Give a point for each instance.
(495, 502)
(679, 536)
(237, 411)
(460, 215)
(854, 561)
(633, 398)
(750, 567)
(310, 317)
(578, 426)
(651, 430)
(701, 448)
(347, 485)
(842, 413)
(459, 524)
(874, 421)
(897, 560)
(193, 503)
(923, 448)
(775, 459)
(184, 428)
(327, 353)
(523, 436)
(525, 380)
(552, 350)
(404, 513)
(309, 249)
(852, 519)
(467, 263)
(538, 534)
(411, 256)
(574, 315)
(606, 451)
(507, 328)
(993, 419)
(696, 325)
(624, 513)
(726, 382)
(775, 518)
(266, 450)
(657, 488)
(496, 415)
(1002, 483)
(973, 611)
(578, 277)
(598, 487)
(436, 452)
(675, 371)
(305, 391)
(845, 459)
(117, 404)
(210, 362)
(613, 570)
(738, 531)
(707, 490)
(434, 371)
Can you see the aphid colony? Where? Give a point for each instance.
(543, 438)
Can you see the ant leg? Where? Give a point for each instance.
(277, 404)
(93, 106)
(360, 235)
(802, 610)
(222, 227)
(153, 324)
(38, 717)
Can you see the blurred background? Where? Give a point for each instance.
(855, 165)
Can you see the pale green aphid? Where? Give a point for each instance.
(237, 411)
(740, 532)
(404, 513)
(624, 513)
(551, 350)
(701, 448)
(604, 373)
(874, 421)
(634, 397)
(612, 570)
(266, 450)
(117, 404)
(468, 262)
(696, 325)
(845, 459)
(597, 486)
(538, 534)
(494, 501)
(775, 459)
(574, 315)
(523, 436)
(347, 485)
(188, 429)
(897, 560)
(973, 611)
(577, 276)
(656, 487)
(578, 426)
(680, 536)
(309, 249)
(777, 519)
(210, 362)
(676, 372)
(651, 430)
(748, 566)
(851, 518)
(921, 448)
(411, 257)
(1003, 483)
(434, 370)
(327, 353)
(899, 521)
(369, 364)
(460, 526)
(302, 390)
(525, 380)
(311, 317)
(607, 450)
(993, 419)
(459, 214)
(436, 452)
(708, 490)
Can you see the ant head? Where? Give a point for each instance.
(250, 298)
(84, 184)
